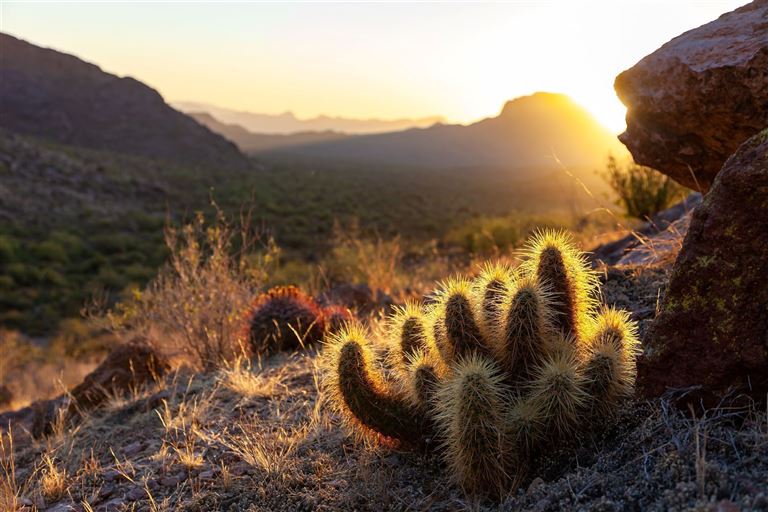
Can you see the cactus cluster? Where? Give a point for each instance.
(285, 318)
(493, 370)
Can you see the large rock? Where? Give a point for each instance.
(713, 329)
(126, 368)
(693, 101)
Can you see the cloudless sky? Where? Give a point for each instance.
(386, 60)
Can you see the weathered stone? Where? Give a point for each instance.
(693, 101)
(126, 368)
(713, 329)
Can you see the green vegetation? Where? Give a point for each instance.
(642, 191)
(499, 369)
(45, 277)
(103, 235)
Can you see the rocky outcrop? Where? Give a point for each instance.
(125, 369)
(713, 329)
(56, 96)
(693, 101)
(652, 241)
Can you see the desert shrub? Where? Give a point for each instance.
(642, 191)
(499, 369)
(373, 261)
(492, 235)
(194, 305)
(51, 250)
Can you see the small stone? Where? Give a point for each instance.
(135, 494)
(61, 507)
(207, 475)
(726, 506)
(110, 475)
(535, 484)
(132, 449)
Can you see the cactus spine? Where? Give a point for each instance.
(498, 368)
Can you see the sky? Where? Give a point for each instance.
(388, 60)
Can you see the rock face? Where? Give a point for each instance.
(126, 368)
(56, 96)
(693, 101)
(713, 329)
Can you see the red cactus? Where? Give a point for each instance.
(335, 317)
(283, 318)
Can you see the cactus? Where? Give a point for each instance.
(496, 369)
(335, 317)
(283, 318)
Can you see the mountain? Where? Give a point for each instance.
(531, 131)
(287, 123)
(52, 95)
(250, 142)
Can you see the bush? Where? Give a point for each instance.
(192, 304)
(642, 191)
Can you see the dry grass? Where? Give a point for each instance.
(195, 303)
(242, 378)
(53, 479)
(10, 490)
(285, 451)
(269, 452)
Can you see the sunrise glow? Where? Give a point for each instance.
(459, 61)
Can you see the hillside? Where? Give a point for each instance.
(250, 142)
(49, 94)
(530, 131)
(288, 123)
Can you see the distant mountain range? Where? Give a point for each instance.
(52, 95)
(250, 142)
(287, 123)
(533, 131)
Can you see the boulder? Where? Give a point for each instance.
(692, 102)
(713, 328)
(126, 368)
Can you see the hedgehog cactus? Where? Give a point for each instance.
(495, 369)
(286, 318)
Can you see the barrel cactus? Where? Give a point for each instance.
(493, 370)
(286, 318)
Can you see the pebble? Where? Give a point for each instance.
(132, 449)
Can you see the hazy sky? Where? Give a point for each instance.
(383, 60)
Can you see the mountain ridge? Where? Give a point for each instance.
(541, 129)
(288, 123)
(250, 142)
(57, 96)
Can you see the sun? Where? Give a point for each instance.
(607, 109)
